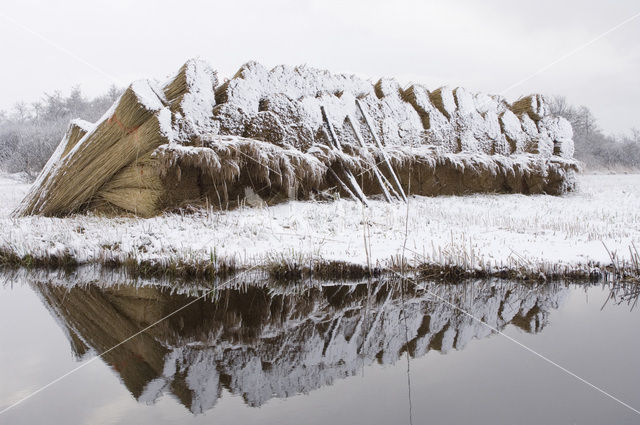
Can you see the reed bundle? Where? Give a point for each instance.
(533, 105)
(137, 188)
(418, 97)
(142, 173)
(76, 131)
(137, 200)
(126, 133)
(192, 77)
(178, 86)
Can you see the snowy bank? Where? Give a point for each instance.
(532, 234)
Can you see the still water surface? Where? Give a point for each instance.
(380, 353)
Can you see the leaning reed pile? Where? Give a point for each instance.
(164, 147)
(75, 132)
(104, 165)
(129, 131)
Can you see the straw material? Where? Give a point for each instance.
(232, 164)
(128, 133)
(442, 98)
(533, 105)
(178, 85)
(228, 164)
(142, 202)
(263, 132)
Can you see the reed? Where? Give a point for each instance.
(124, 134)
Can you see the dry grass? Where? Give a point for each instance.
(10, 260)
(297, 267)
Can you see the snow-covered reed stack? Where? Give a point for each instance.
(194, 141)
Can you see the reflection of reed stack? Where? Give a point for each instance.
(294, 133)
(278, 344)
(94, 317)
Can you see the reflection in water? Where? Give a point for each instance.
(624, 293)
(262, 342)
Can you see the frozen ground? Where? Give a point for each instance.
(486, 231)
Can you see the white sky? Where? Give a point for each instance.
(485, 46)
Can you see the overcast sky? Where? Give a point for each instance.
(484, 46)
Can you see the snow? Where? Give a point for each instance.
(486, 231)
(512, 128)
(85, 125)
(12, 189)
(254, 81)
(148, 94)
(455, 119)
(196, 105)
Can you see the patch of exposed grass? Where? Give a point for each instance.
(449, 272)
(296, 267)
(64, 261)
(179, 269)
(329, 270)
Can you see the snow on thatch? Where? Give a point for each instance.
(298, 133)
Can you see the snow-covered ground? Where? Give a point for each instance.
(487, 231)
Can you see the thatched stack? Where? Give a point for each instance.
(192, 141)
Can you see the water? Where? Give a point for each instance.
(381, 353)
